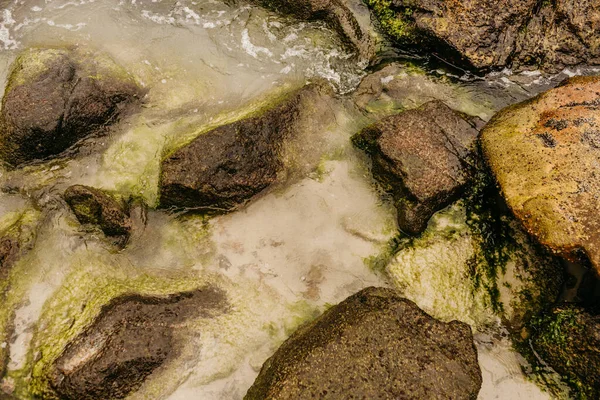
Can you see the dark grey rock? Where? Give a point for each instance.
(373, 345)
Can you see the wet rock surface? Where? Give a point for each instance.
(55, 97)
(336, 13)
(483, 34)
(340, 355)
(93, 206)
(422, 157)
(545, 156)
(568, 339)
(132, 337)
(225, 167)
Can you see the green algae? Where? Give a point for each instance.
(397, 25)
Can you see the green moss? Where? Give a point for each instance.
(397, 25)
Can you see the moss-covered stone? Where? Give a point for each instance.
(55, 97)
(544, 153)
(93, 206)
(340, 355)
(568, 339)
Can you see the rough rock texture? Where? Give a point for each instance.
(225, 167)
(55, 97)
(545, 155)
(484, 33)
(335, 13)
(93, 206)
(373, 345)
(422, 157)
(568, 339)
(131, 338)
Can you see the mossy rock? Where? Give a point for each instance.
(56, 97)
(544, 154)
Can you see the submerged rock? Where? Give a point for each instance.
(55, 97)
(374, 344)
(225, 167)
(336, 13)
(477, 269)
(483, 34)
(422, 157)
(568, 339)
(132, 337)
(545, 155)
(17, 235)
(93, 206)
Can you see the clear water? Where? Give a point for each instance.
(283, 259)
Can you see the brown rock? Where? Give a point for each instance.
(545, 155)
(373, 345)
(422, 157)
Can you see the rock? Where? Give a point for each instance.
(422, 157)
(484, 34)
(17, 236)
(132, 337)
(545, 155)
(225, 167)
(373, 345)
(93, 206)
(56, 97)
(568, 339)
(475, 268)
(337, 14)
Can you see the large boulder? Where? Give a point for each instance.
(337, 14)
(423, 158)
(225, 167)
(132, 337)
(373, 345)
(568, 339)
(483, 34)
(545, 155)
(56, 97)
(93, 206)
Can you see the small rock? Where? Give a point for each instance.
(131, 338)
(55, 97)
(93, 206)
(373, 345)
(422, 157)
(548, 168)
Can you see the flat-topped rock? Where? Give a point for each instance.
(373, 345)
(545, 155)
(422, 157)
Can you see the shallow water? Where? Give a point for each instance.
(284, 258)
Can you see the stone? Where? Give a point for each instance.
(568, 339)
(545, 156)
(225, 167)
(337, 14)
(132, 337)
(422, 157)
(485, 34)
(56, 97)
(373, 345)
(93, 206)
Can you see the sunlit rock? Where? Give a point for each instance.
(374, 344)
(55, 97)
(423, 158)
(545, 155)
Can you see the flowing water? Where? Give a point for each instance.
(283, 259)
